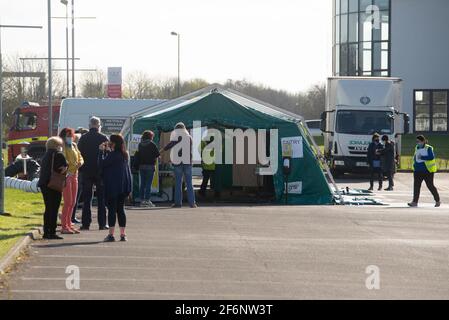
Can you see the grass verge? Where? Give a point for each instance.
(26, 213)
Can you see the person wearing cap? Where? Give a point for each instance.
(374, 161)
(424, 169)
(182, 164)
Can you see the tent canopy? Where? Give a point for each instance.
(218, 107)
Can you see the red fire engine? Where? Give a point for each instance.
(30, 130)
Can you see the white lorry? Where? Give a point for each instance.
(76, 112)
(356, 108)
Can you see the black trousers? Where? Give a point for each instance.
(428, 177)
(376, 173)
(88, 183)
(116, 210)
(389, 175)
(208, 175)
(52, 200)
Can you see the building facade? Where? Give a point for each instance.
(408, 39)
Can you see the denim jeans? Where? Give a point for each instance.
(186, 171)
(146, 180)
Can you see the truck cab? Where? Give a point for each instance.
(356, 108)
(30, 130)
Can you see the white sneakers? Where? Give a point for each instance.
(147, 204)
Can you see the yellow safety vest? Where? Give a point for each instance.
(431, 165)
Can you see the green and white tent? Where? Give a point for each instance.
(215, 106)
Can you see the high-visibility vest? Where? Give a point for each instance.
(431, 165)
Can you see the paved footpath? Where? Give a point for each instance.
(242, 252)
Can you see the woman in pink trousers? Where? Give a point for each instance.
(74, 161)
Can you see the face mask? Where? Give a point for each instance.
(377, 141)
(69, 141)
(59, 149)
(421, 144)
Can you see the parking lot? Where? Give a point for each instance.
(255, 252)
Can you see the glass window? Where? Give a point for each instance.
(344, 6)
(353, 5)
(422, 97)
(382, 4)
(337, 6)
(344, 28)
(337, 60)
(366, 57)
(366, 27)
(364, 4)
(439, 111)
(353, 59)
(337, 30)
(365, 122)
(422, 115)
(380, 56)
(353, 27)
(381, 29)
(344, 60)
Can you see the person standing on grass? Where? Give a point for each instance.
(116, 175)
(90, 174)
(374, 161)
(53, 160)
(182, 164)
(387, 154)
(74, 161)
(424, 167)
(145, 161)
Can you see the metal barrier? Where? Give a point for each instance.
(24, 185)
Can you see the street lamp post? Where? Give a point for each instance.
(179, 61)
(50, 77)
(2, 171)
(66, 3)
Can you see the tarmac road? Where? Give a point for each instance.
(258, 252)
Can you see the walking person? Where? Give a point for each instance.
(52, 161)
(182, 164)
(424, 167)
(74, 162)
(145, 160)
(116, 175)
(388, 162)
(374, 161)
(90, 173)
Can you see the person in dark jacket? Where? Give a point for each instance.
(145, 159)
(374, 161)
(90, 173)
(116, 175)
(52, 198)
(387, 155)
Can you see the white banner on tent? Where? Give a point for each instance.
(296, 146)
(294, 187)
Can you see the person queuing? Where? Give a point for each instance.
(145, 162)
(52, 161)
(116, 175)
(90, 174)
(182, 166)
(387, 154)
(78, 134)
(424, 167)
(74, 162)
(209, 172)
(374, 161)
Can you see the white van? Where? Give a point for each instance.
(76, 112)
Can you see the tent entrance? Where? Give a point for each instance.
(234, 182)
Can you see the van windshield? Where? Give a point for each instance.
(365, 122)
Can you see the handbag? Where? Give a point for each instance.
(57, 180)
